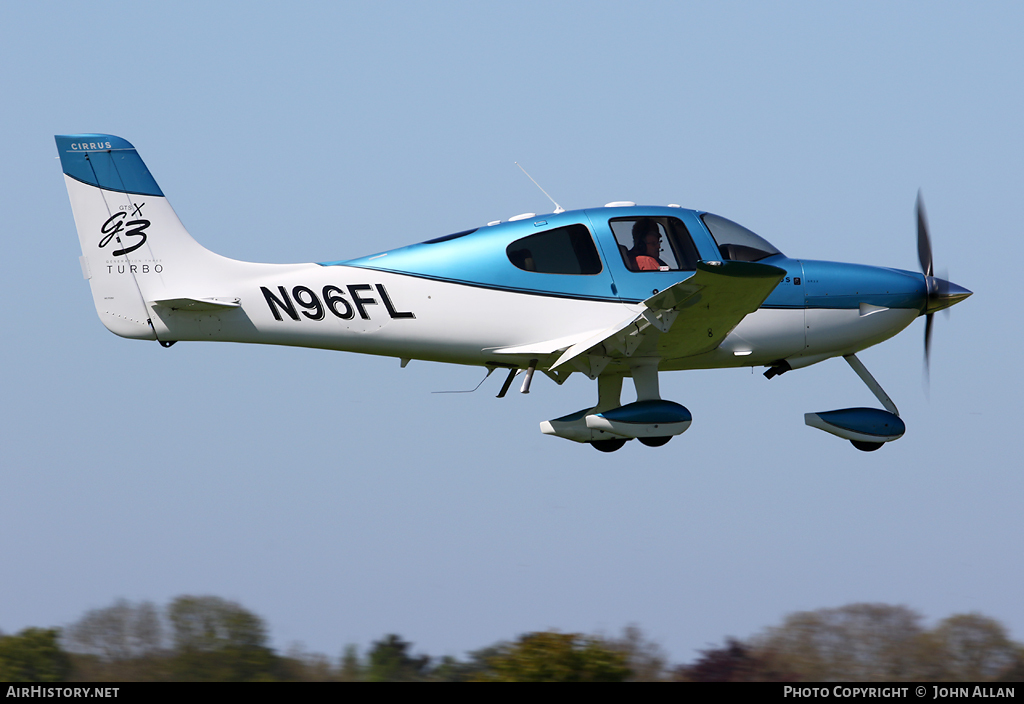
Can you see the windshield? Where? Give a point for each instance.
(735, 242)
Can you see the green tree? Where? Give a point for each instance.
(298, 665)
(123, 631)
(389, 660)
(122, 642)
(216, 640)
(1015, 672)
(33, 655)
(451, 669)
(971, 648)
(645, 658)
(351, 669)
(736, 661)
(853, 643)
(557, 657)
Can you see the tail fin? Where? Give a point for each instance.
(134, 248)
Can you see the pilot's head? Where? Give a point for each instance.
(647, 236)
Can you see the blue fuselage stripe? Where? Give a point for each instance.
(492, 287)
(835, 304)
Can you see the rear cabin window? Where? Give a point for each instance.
(563, 250)
(735, 242)
(655, 244)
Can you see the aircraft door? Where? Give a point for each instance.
(644, 253)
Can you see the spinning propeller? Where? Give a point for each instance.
(941, 293)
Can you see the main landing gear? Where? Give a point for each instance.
(611, 445)
(609, 425)
(608, 445)
(866, 428)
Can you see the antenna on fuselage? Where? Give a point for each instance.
(558, 208)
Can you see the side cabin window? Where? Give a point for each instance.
(655, 244)
(735, 242)
(562, 250)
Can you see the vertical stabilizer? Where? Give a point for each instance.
(134, 248)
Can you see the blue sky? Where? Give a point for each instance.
(339, 498)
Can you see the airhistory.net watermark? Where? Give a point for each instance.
(65, 692)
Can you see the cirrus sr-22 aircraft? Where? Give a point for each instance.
(611, 292)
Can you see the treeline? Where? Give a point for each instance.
(207, 638)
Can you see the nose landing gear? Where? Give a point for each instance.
(866, 428)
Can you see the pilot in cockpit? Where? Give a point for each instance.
(646, 251)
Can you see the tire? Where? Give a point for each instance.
(655, 442)
(866, 446)
(608, 445)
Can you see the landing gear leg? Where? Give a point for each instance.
(609, 393)
(879, 393)
(876, 388)
(645, 379)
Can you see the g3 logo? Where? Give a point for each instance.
(115, 225)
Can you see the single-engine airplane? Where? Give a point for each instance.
(611, 292)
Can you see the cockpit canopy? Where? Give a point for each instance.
(615, 253)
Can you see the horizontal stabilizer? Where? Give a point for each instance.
(199, 304)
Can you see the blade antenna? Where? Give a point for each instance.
(558, 208)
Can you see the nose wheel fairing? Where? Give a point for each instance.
(865, 425)
(867, 428)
